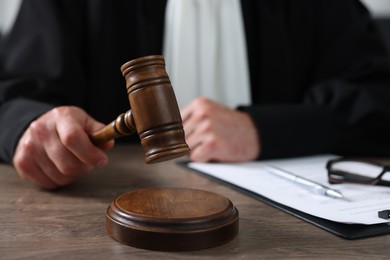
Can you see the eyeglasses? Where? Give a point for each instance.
(345, 170)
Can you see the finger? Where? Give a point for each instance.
(204, 151)
(48, 141)
(187, 123)
(37, 176)
(207, 144)
(91, 126)
(203, 142)
(199, 110)
(27, 168)
(32, 163)
(200, 132)
(64, 160)
(51, 171)
(196, 108)
(186, 112)
(75, 138)
(191, 124)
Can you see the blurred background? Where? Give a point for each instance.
(380, 9)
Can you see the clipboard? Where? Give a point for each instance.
(343, 230)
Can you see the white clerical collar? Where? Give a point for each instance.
(205, 51)
(9, 10)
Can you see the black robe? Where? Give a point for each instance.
(319, 71)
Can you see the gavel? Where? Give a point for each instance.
(154, 112)
(193, 219)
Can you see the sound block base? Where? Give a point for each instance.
(172, 219)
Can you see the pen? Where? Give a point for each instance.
(309, 184)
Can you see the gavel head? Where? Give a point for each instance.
(154, 109)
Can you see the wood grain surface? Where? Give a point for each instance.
(69, 223)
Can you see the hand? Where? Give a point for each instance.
(56, 149)
(216, 132)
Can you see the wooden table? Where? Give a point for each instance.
(70, 223)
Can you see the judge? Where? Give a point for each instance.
(254, 79)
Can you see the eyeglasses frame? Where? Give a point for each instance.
(355, 179)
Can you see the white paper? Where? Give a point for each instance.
(364, 201)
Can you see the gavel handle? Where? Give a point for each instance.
(121, 126)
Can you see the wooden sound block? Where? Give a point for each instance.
(171, 219)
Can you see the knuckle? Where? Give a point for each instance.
(61, 110)
(38, 129)
(211, 145)
(27, 145)
(201, 101)
(21, 163)
(66, 110)
(203, 112)
(69, 138)
(208, 126)
(23, 153)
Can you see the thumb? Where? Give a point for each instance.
(92, 127)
